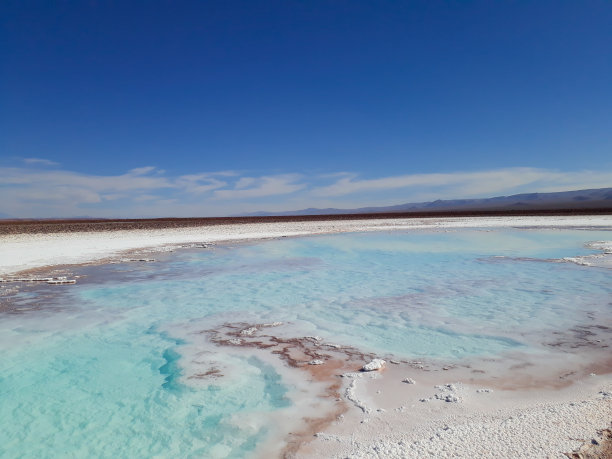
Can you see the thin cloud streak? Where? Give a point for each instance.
(40, 161)
(250, 187)
(472, 183)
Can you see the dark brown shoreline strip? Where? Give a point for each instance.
(37, 226)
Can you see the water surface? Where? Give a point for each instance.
(103, 367)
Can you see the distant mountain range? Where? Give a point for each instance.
(580, 199)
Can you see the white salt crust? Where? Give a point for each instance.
(543, 429)
(388, 418)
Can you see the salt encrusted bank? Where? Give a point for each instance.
(26, 251)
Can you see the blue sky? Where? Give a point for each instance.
(162, 108)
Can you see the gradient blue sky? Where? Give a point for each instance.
(200, 108)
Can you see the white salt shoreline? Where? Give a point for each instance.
(483, 423)
(19, 252)
(519, 423)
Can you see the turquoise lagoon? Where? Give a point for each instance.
(101, 368)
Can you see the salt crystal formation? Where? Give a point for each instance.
(48, 280)
(249, 331)
(374, 365)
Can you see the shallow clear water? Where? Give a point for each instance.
(103, 370)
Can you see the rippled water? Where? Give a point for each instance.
(103, 368)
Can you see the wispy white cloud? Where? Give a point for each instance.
(141, 170)
(51, 192)
(147, 197)
(34, 191)
(245, 182)
(250, 187)
(113, 196)
(199, 183)
(40, 161)
(50, 179)
(469, 184)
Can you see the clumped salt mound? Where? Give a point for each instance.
(374, 365)
(602, 260)
(604, 246)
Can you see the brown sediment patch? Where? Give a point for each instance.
(577, 353)
(597, 448)
(594, 335)
(45, 297)
(526, 382)
(213, 373)
(44, 271)
(520, 366)
(540, 374)
(323, 362)
(602, 366)
(296, 440)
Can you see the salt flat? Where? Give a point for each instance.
(448, 412)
